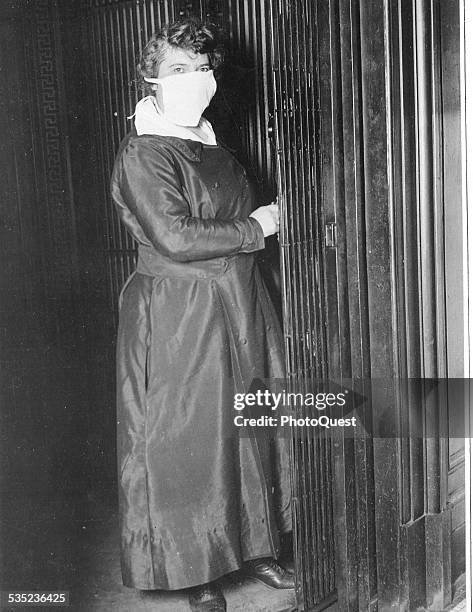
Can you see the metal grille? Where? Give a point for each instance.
(117, 30)
(296, 119)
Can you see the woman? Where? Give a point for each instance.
(197, 501)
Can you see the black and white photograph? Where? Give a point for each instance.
(236, 305)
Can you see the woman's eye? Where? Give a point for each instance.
(204, 68)
(178, 69)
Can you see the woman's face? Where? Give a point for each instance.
(180, 61)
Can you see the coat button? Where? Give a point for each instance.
(243, 340)
(216, 185)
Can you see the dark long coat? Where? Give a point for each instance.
(196, 325)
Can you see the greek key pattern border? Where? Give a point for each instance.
(53, 153)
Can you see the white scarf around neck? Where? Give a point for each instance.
(150, 120)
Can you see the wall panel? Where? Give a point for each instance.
(40, 318)
(383, 140)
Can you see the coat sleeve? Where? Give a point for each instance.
(150, 189)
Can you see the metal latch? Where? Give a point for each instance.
(331, 235)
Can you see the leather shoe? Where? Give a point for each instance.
(269, 572)
(207, 598)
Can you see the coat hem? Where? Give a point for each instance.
(212, 577)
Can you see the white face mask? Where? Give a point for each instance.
(186, 96)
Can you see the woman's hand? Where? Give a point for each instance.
(268, 218)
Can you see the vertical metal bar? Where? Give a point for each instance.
(299, 365)
(301, 362)
(107, 119)
(231, 24)
(286, 194)
(280, 168)
(299, 539)
(139, 28)
(146, 21)
(266, 83)
(160, 20)
(100, 95)
(135, 50)
(305, 161)
(314, 229)
(112, 65)
(127, 49)
(315, 585)
(290, 245)
(168, 11)
(133, 54)
(237, 29)
(283, 189)
(256, 59)
(121, 70)
(300, 186)
(152, 17)
(120, 117)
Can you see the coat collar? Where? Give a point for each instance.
(192, 149)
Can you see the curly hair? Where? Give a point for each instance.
(189, 34)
